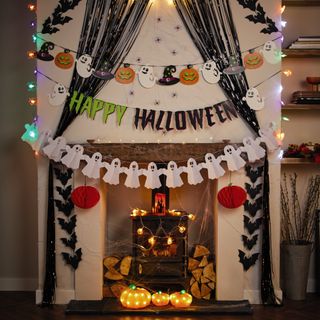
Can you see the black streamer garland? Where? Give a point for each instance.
(211, 27)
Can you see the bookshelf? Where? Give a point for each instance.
(301, 3)
(297, 107)
(301, 53)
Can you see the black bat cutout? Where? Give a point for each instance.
(254, 174)
(249, 243)
(253, 191)
(71, 242)
(254, 207)
(68, 225)
(64, 192)
(72, 260)
(250, 4)
(252, 226)
(63, 176)
(65, 207)
(247, 261)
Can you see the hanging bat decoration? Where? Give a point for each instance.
(49, 25)
(253, 192)
(73, 260)
(64, 192)
(63, 175)
(65, 206)
(68, 225)
(247, 261)
(254, 174)
(248, 242)
(253, 207)
(70, 242)
(250, 225)
(259, 16)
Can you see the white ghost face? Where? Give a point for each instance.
(191, 163)
(268, 46)
(97, 157)
(254, 99)
(78, 149)
(152, 167)
(210, 72)
(229, 150)
(271, 53)
(60, 141)
(146, 77)
(84, 66)
(115, 163)
(248, 141)
(133, 166)
(59, 95)
(172, 166)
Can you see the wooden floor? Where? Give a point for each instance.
(20, 306)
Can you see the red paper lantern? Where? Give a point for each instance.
(85, 197)
(232, 197)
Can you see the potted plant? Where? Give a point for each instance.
(297, 231)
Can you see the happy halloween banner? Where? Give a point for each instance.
(157, 120)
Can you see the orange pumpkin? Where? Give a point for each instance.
(160, 299)
(135, 298)
(189, 76)
(64, 60)
(181, 299)
(125, 74)
(253, 60)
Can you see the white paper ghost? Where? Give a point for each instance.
(193, 171)
(212, 164)
(55, 148)
(83, 66)
(146, 77)
(58, 95)
(271, 53)
(233, 158)
(252, 149)
(153, 176)
(173, 175)
(133, 173)
(113, 171)
(42, 140)
(266, 136)
(92, 169)
(253, 99)
(73, 156)
(210, 72)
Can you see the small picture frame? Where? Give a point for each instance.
(159, 204)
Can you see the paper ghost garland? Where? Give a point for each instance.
(210, 72)
(146, 77)
(193, 171)
(92, 169)
(253, 150)
(83, 65)
(133, 173)
(233, 158)
(213, 166)
(266, 136)
(173, 175)
(73, 157)
(59, 95)
(113, 171)
(42, 140)
(253, 99)
(271, 53)
(153, 176)
(55, 148)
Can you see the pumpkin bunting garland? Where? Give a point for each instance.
(189, 75)
(64, 60)
(253, 60)
(125, 74)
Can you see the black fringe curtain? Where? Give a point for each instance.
(109, 30)
(210, 25)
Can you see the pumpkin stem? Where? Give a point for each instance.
(132, 286)
(183, 291)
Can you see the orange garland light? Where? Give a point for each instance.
(135, 298)
(31, 54)
(32, 101)
(160, 299)
(181, 299)
(32, 7)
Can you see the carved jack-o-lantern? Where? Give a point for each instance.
(232, 197)
(189, 75)
(64, 60)
(253, 60)
(125, 74)
(160, 299)
(181, 299)
(135, 298)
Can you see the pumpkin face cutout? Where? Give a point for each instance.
(135, 298)
(85, 197)
(232, 197)
(189, 76)
(64, 60)
(125, 74)
(160, 299)
(181, 299)
(253, 60)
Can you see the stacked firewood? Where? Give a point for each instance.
(203, 279)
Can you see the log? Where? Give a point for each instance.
(205, 290)
(197, 274)
(208, 272)
(207, 297)
(113, 274)
(211, 285)
(201, 251)
(192, 281)
(107, 293)
(117, 288)
(204, 262)
(195, 291)
(193, 264)
(110, 262)
(204, 279)
(125, 265)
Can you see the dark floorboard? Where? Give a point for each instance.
(20, 306)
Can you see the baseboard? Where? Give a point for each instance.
(254, 296)
(18, 284)
(62, 296)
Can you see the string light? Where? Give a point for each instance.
(32, 7)
(284, 118)
(31, 86)
(31, 54)
(32, 101)
(34, 38)
(191, 216)
(282, 9)
(140, 231)
(182, 229)
(283, 23)
(287, 73)
(152, 240)
(169, 241)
